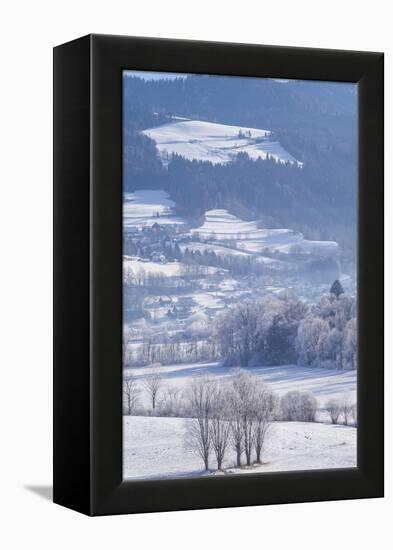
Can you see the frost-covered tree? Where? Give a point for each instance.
(244, 386)
(265, 409)
(153, 384)
(346, 409)
(312, 332)
(200, 396)
(355, 414)
(350, 344)
(171, 403)
(198, 325)
(131, 393)
(336, 311)
(260, 332)
(309, 407)
(298, 406)
(237, 412)
(236, 424)
(219, 424)
(333, 407)
(235, 330)
(327, 336)
(279, 330)
(335, 347)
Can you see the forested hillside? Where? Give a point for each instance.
(315, 122)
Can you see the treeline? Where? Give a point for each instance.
(173, 351)
(160, 282)
(275, 331)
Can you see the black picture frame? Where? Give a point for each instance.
(88, 274)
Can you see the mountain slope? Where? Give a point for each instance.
(215, 143)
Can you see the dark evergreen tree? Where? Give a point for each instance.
(336, 288)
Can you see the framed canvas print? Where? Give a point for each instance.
(218, 275)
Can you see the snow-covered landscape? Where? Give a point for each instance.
(155, 448)
(240, 331)
(158, 444)
(181, 300)
(215, 143)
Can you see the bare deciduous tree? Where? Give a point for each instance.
(219, 425)
(355, 414)
(265, 407)
(153, 385)
(244, 388)
(334, 409)
(346, 407)
(200, 397)
(236, 425)
(171, 403)
(309, 406)
(131, 393)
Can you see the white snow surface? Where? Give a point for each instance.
(215, 143)
(324, 384)
(154, 448)
(145, 207)
(219, 224)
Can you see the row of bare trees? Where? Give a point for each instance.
(162, 348)
(152, 384)
(293, 406)
(234, 413)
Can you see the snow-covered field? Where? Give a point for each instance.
(215, 143)
(324, 384)
(220, 224)
(154, 447)
(145, 207)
